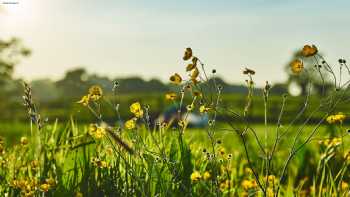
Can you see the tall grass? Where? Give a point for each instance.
(147, 157)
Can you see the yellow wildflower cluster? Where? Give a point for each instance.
(28, 187)
(196, 176)
(192, 67)
(337, 118)
(95, 94)
(331, 142)
(137, 110)
(99, 163)
(249, 184)
(96, 131)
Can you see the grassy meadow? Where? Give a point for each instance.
(250, 144)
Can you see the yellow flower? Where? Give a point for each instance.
(182, 123)
(248, 71)
(190, 107)
(136, 109)
(24, 141)
(170, 96)
(309, 51)
(344, 185)
(196, 176)
(92, 128)
(130, 124)
(247, 184)
(78, 194)
(176, 79)
(206, 175)
(222, 151)
(338, 118)
(194, 73)
(188, 54)
(197, 94)
(194, 61)
(84, 100)
(271, 178)
(95, 92)
(224, 185)
(204, 109)
(297, 66)
(51, 182)
(190, 67)
(44, 187)
(100, 132)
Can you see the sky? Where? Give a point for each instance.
(119, 38)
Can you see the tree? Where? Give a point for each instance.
(74, 84)
(11, 52)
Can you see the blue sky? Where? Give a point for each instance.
(147, 38)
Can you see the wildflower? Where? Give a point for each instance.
(309, 51)
(195, 60)
(78, 194)
(95, 92)
(92, 128)
(51, 182)
(182, 123)
(347, 156)
(206, 175)
(85, 100)
(248, 71)
(190, 107)
(44, 187)
(24, 141)
(34, 164)
(224, 185)
(109, 150)
(248, 171)
(170, 96)
(331, 142)
(204, 109)
(338, 118)
(247, 184)
(270, 192)
(136, 109)
(297, 66)
(190, 67)
(197, 94)
(188, 54)
(271, 178)
(194, 73)
(344, 185)
(222, 151)
(100, 132)
(195, 176)
(130, 124)
(176, 79)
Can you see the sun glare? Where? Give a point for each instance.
(15, 10)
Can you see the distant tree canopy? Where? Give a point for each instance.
(11, 52)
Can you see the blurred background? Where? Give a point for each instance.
(63, 47)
